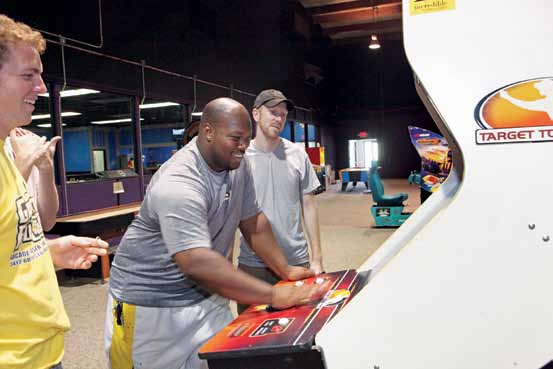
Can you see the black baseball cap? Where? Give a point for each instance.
(271, 98)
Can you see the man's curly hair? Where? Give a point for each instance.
(12, 31)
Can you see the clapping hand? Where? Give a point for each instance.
(31, 150)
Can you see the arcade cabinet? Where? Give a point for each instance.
(435, 160)
(465, 282)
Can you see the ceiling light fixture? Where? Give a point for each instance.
(112, 121)
(197, 114)
(157, 105)
(374, 44)
(64, 114)
(124, 120)
(48, 125)
(76, 92)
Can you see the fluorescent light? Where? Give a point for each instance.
(157, 105)
(123, 120)
(64, 114)
(48, 125)
(112, 121)
(76, 92)
(197, 114)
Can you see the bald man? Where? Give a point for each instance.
(170, 278)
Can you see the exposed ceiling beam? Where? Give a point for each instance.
(366, 39)
(350, 6)
(359, 15)
(361, 21)
(316, 3)
(360, 34)
(380, 27)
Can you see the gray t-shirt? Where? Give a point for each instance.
(187, 205)
(282, 177)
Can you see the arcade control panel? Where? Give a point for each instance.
(262, 337)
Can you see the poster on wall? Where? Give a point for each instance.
(435, 157)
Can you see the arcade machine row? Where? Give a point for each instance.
(466, 281)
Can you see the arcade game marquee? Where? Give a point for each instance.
(465, 282)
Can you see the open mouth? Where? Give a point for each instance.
(30, 103)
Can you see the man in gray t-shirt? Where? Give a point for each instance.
(171, 264)
(284, 183)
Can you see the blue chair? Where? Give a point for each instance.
(379, 197)
(388, 209)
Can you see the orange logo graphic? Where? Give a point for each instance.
(519, 112)
(522, 104)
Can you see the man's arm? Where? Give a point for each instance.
(47, 201)
(311, 221)
(214, 272)
(31, 151)
(258, 233)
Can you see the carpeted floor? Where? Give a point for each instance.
(348, 238)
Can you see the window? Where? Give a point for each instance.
(162, 125)
(99, 160)
(299, 134)
(313, 135)
(95, 121)
(287, 131)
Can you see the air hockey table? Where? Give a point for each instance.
(105, 223)
(354, 175)
(265, 338)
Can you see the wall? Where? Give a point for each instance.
(397, 155)
(373, 92)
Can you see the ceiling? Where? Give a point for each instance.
(354, 21)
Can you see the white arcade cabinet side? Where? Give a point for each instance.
(467, 281)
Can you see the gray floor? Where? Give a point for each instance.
(347, 237)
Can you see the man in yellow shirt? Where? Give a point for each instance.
(32, 318)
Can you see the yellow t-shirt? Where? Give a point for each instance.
(32, 318)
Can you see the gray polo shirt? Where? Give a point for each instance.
(282, 177)
(187, 205)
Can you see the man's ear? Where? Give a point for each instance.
(209, 131)
(256, 114)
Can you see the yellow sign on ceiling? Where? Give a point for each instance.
(429, 6)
